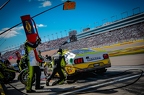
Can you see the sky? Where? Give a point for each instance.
(57, 23)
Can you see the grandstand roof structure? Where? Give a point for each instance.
(130, 20)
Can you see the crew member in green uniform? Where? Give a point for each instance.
(58, 61)
(33, 65)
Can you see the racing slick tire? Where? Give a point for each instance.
(9, 76)
(101, 71)
(23, 76)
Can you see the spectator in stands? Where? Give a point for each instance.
(128, 33)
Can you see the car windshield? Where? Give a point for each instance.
(80, 51)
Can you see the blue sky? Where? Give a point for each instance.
(58, 22)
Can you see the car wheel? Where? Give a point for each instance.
(101, 71)
(24, 76)
(9, 76)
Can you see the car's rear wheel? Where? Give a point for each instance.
(71, 78)
(101, 71)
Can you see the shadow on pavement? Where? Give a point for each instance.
(98, 91)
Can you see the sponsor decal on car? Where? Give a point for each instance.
(93, 58)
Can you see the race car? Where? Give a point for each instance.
(86, 60)
(82, 60)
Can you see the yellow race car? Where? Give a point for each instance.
(83, 60)
(86, 60)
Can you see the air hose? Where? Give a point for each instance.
(126, 84)
(95, 84)
(80, 89)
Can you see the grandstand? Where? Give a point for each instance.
(127, 29)
(129, 21)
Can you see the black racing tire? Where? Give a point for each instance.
(23, 77)
(101, 71)
(9, 76)
(13, 74)
(72, 78)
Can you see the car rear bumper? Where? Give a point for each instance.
(87, 67)
(93, 69)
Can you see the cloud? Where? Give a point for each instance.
(11, 33)
(41, 25)
(45, 3)
(15, 31)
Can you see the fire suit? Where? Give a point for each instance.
(58, 61)
(33, 66)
